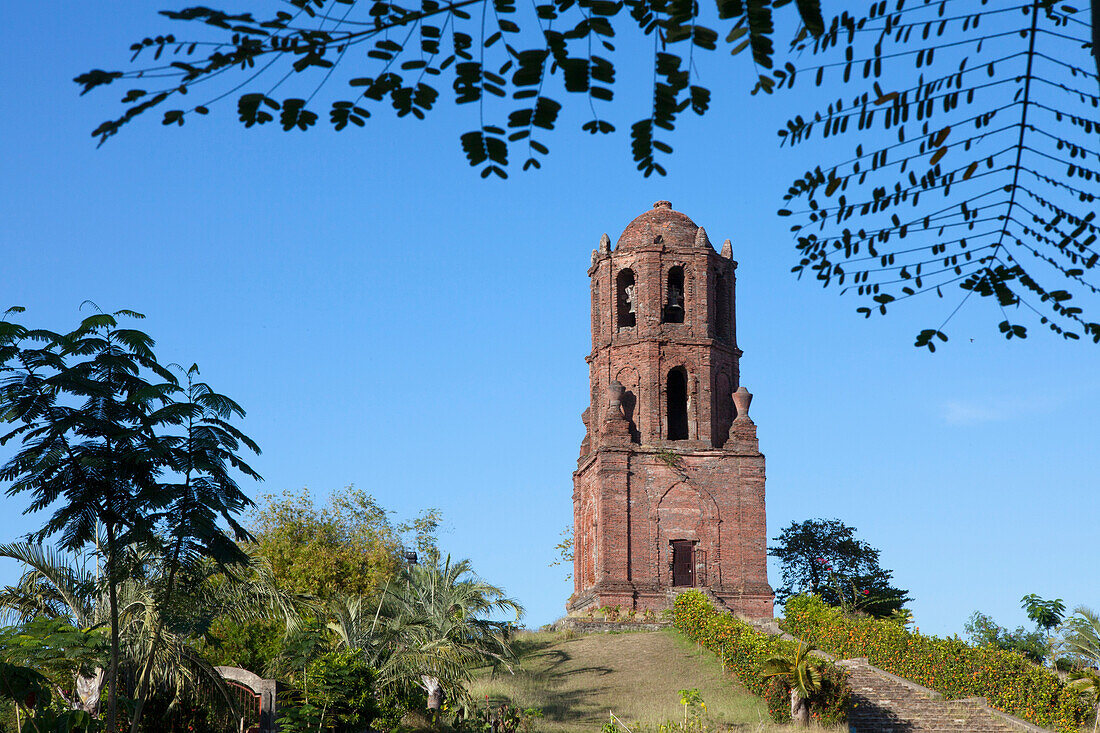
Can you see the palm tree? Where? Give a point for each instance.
(430, 628)
(803, 673)
(1081, 635)
(1088, 682)
(57, 586)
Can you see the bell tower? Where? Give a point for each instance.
(669, 488)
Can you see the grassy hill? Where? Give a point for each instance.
(576, 681)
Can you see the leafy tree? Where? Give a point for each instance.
(968, 166)
(992, 174)
(251, 645)
(564, 550)
(1081, 636)
(62, 653)
(448, 616)
(1045, 614)
(30, 692)
(349, 547)
(982, 630)
(82, 403)
(423, 531)
(55, 588)
(803, 673)
(107, 444)
(202, 490)
(823, 557)
(56, 600)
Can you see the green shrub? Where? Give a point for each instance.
(952, 667)
(336, 695)
(777, 695)
(830, 706)
(743, 651)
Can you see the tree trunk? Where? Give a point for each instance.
(147, 668)
(88, 690)
(112, 596)
(800, 709)
(435, 696)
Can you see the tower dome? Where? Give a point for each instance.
(660, 225)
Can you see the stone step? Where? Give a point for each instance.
(883, 704)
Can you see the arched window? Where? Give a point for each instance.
(673, 311)
(676, 395)
(627, 301)
(722, 307)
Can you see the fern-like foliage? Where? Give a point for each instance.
(512, 60)
(976, 162)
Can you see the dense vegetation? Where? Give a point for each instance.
(1008, 680)
(825, 558)
(744, 651)
(144, 577)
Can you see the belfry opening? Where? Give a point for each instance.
(677, 400)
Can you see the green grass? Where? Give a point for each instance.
(576, 681)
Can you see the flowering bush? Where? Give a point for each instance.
(778, 697)
(743, 651)
(952, 667)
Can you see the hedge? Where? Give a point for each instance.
(1009, 681)
(743, 650)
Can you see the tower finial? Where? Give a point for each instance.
(701, 238)
(615, 400)
(605, 244)
(662, 205)
(742, 398)
(727, 249)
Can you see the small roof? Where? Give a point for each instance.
(674, 229)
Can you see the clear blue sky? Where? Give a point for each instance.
(391, 320)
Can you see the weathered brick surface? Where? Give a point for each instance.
(635, 490)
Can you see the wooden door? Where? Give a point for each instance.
(682, 571)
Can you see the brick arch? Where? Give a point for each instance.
(687, 513)
(265, 690)
(627, 310)
(681, 492)
(674, 275)
(632, 400)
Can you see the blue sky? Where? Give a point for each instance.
(391, 320)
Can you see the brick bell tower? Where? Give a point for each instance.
(669, 488)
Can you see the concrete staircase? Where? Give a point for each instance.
(883, 703)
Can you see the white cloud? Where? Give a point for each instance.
(969, 413)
